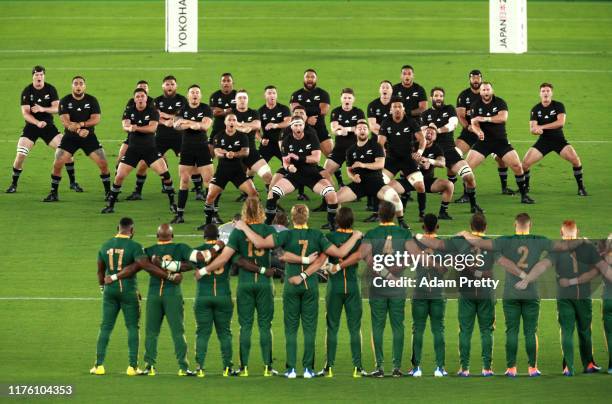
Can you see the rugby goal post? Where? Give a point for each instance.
(181, 25)
(507, 26)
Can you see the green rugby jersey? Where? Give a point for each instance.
(459, 245)
(239, 242)
(167, 251)
(525, 251)
(346, 279)
(301, 241)
(217, 283)
(572, 264)
(117, 253)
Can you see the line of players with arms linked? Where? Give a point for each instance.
(407, 139)
(307, 253)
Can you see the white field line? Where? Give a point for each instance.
(552, 70)
(125, 68)
(357, 51)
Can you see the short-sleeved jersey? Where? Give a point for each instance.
(275, 115)
(411, 96)
(311, 101)
(248, 116)
(167, 251)
(347, 119)
(400, 136)
(345, 280)
(378, 110)
(545, 115)
(303, 242)
(141, 118)
(525, 251)
(572, 264)
(466, 99)
(367, 153)
(386, 239)
(440, 117)
(218, 99)
(232, 143)
(43, 97)
(491, 130)
(197, 114)
(79, 110)
(460, 246)
(302, 147)
(217, 283)
(172, 106)
(245, 248)
(116, 254)
(432, 152)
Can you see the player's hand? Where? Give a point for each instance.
(156, 260)
(312, 120)
(83, 132)
(480, 135)
(357, 178)
(564, 282)
(357, 164)
(425, 163)
(271, 126)
(478, 119)
(416, 156)
(240, 224)
(292, 169)
(293, 156)
(36, 108)
(41, 124)
(229, 155)
(269, 272)
(194, 126)
(107, 280)
(522, 284)
(264, 142)
(175, 278)
(357, 234)
(197, 275)
(168, 123)
(295, 280)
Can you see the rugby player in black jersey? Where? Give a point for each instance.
(274, 118)
(412, 94)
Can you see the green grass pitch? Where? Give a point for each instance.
(49, 299)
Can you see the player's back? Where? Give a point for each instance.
(167, 251)
(245, 248)
(217, 283)
(117, 253)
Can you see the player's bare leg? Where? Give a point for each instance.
(325, 188)
(141, 177)
(61, 158)
(120, 154)
(24, 145)
(462, 148)
(281, 188)
(54, 144)
(569, 153)
(185, 174)
(513, 161)
(330, 168)
(99, 157)
(161, 168)
(532, 156)
(214, 191)
(262, 169)
(389, 194)
(463, 169)
(123, 170)
(446, 188)
(502, 170)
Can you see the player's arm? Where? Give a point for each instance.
(93, 120)
(450, 126)
(244, 151)
(534, 128)
(430, 242)
(282, 125)
(378, 164)
(501, 117)
(217, 263)
(475, 127)
(345, 248)
(248, 127)
(567, 245)
(27, 115)
(101, 271)
(323, 109)
(462, 117)
(365, 253)
(420, 109)
(338, 129)
(251, 266)
(258, 241)
(292, 258)
(475, 241)
(149, 129)
(50, 110)
(511, 267)
(556, 124)
(352, 259)
(314, 157)
(219, 152)
(312, 268)
(420, 138)
(68, 124)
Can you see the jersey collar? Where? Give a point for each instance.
(387, 224)
(522, 233)
(164, 242)
(430, 235)
(300, 227)
(210, 241)
(344, 230)
(119, 235)
(477, 233)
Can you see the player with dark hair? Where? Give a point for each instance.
(39, 101)
(118, 261)
(301, 156)
(468, 137)
(412, 94)
(301, 290)
(231, 148)
(79, 113)
(488, 121)
(140, 122)
(443, 119)
(400, 134)
(365, 161)
(274, 118)
(194, 119)
(386, 239)
(547, 121)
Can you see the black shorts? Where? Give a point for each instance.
(468, 137)
(270, 150)
(305, 176)
(497, 146)
(72, 143)
(451, 156)
(252, 158)
(546, 145)
(197, 155)
(321, 129)
(126, 141)
(225, 173)
(135, 153)
(338, 154)
(282, 171)
(367, 186)
(427, 181)
(33, 132)
(169, 142)
(407, 165)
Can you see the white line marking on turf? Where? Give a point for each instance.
(126, 68)
(356, 51)
(551, 70)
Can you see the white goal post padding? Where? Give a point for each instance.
(507, 26)
(181, 25)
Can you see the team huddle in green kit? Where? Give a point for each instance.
(309, 255)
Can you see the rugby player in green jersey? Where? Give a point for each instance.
(301, 290)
